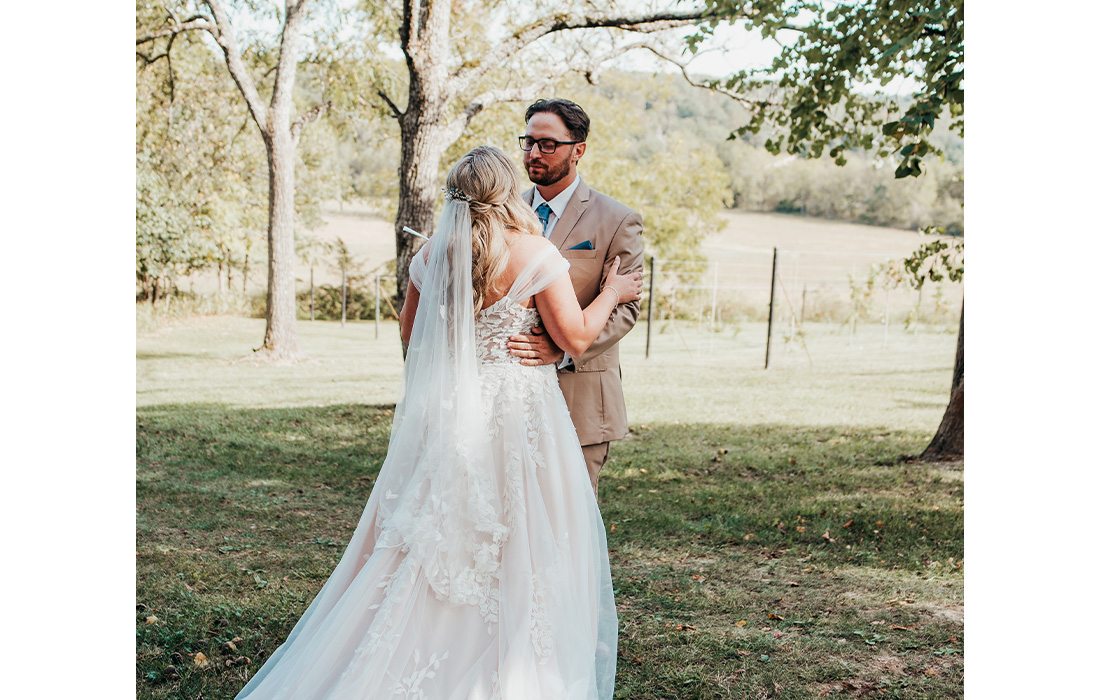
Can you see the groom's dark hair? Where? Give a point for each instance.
(575, 118)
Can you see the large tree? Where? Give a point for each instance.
(454, 70)
(197, 168)
(826, 91)
(280, 126)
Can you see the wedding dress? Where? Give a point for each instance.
(479, 567)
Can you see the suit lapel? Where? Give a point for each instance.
(573, 210)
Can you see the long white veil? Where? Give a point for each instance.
(438, 499)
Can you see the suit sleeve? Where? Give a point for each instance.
(627, 244)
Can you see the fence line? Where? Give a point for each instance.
(835, 253)
(800, 304)
(795, 291)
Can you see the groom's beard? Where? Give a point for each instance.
(544, 174)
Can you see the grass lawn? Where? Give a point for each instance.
(691, 376)
(767, 538)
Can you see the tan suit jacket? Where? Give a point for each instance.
(594, 389)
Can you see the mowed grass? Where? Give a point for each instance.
(798, 557)
(692, 375)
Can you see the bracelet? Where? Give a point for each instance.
(606, 287)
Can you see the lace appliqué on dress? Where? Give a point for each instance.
(541, 638)
(409, 686)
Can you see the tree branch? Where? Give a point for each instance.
(466, 75)
(196, 23)
(713, 87)
(149, 60)
(490, 97)
(282, 94)
(227, 40)
(527, 91)
(233, 139)
(167, 54)
(171, 75)
(310, 115)
(393, 108)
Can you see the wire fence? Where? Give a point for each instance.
(801, 300)
(797, 298)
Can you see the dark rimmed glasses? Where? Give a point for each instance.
(526, 143)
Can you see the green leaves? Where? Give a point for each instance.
(818, 86)
(935, 260)
(909, 167)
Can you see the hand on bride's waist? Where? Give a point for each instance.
(535, 348)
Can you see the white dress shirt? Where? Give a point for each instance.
(557, 204)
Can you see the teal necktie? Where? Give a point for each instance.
(543, 212)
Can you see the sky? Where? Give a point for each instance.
(732, 48)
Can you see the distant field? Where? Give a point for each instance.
(817, 253)
(758, 231)
(369, 239)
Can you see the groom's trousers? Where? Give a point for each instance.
(595, 456)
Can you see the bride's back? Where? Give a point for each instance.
(509, 309)
(523, 249)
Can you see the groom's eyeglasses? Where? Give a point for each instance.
(545, 145)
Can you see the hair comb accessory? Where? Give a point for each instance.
(455, 193)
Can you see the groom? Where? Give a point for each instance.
(589, 229)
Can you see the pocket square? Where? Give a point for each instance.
(586, 245)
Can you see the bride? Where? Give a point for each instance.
(479, 567)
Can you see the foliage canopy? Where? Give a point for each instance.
(825, 88)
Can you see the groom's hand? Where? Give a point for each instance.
(535, 349)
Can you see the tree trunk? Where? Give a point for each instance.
(280, 144)
(422, 149)
(431, 122)
(948, 442)
(280, 336)
(426, 43)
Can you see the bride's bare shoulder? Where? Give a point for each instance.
(524, 246)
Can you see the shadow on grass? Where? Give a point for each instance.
(174, 355)
(211, 441)
(936, 371)
(749, 561)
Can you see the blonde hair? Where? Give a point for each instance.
(489, 179)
